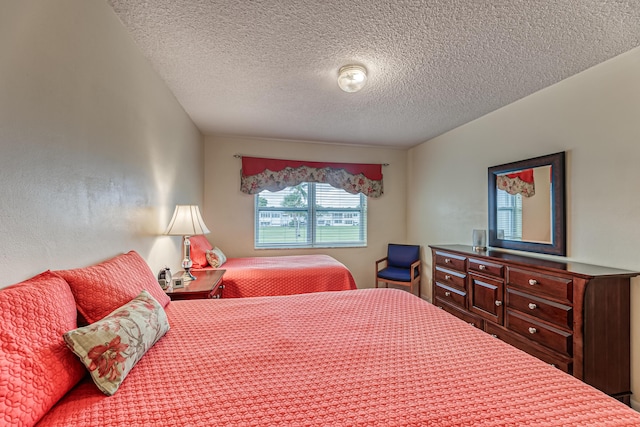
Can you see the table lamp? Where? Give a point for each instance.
(187, 222)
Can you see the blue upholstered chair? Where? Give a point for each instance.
(402, 266)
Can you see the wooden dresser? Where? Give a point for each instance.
(571, 315)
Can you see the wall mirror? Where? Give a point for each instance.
(527, 205)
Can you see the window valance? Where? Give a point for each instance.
(259, 174)
(517, 183)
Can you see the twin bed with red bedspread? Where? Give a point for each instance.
(284, 275)
(275, 275)
(357, 357)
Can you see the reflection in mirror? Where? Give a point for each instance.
(526, 205)
(523, 204)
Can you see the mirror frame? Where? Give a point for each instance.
(558, 245)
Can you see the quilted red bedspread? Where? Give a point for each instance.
(365, 357)
(284, 275)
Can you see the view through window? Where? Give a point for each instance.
(509, 220)
(310, 215)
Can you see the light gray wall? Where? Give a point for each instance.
(230, 213)
(593, 116)
(95, 151)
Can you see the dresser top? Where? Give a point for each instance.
(574, 268)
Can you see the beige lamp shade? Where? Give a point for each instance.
(186, 221)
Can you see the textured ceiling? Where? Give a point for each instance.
(268, 68)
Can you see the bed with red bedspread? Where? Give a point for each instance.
(358, 357)
(273, 275)
(284, 275)
(365, 357)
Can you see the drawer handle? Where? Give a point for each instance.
(532, 306)
(482, 267)
(533, 282)
(473, 324)
(532, 330)
(498, 303)
(447, 261)
(553, 365)
(494, 335)
(216, 296)
(440, 307)
(447, 294)
(447, 277)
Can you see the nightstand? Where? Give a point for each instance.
(208, 284)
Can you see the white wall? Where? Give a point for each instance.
(229, 214)
(593, 116)
(94, 149)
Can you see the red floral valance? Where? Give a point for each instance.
(259, 174)
(517, 183)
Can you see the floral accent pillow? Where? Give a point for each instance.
(111, 347)
(215, 257)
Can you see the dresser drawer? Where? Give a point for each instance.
(451, 295)
(547, 335)
(460, 314)
(541, 284)
(450, 277)
(561, 362)
(448, 260)
(485, 267)
(559, 314)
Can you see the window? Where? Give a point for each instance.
(310, 215)
(509, 218)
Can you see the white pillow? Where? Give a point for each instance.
(215, 257)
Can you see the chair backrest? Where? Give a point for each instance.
(402, 256)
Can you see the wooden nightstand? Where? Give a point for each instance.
(208, 285)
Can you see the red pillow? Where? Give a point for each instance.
(101, 288)
(36, 368)
(199, 247)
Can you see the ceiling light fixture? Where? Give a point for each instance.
(352, 78)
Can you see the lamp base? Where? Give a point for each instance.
(186, 262)
(187, 276)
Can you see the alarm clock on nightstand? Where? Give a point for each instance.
(164, 278)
